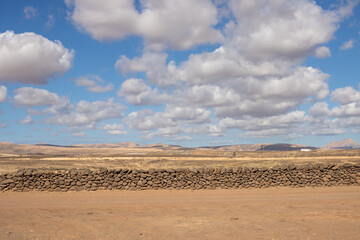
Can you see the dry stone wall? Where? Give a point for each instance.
(204, 178)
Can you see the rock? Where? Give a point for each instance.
(28, 172)
(347, 165)
(7, 181)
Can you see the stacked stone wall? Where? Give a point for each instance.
(205, 178)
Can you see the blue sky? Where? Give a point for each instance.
(191, 72)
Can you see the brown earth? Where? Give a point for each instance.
(285, 213)
(276, 213)
(146, 158)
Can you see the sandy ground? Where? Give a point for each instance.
(278, 213)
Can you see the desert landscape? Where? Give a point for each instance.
(159, 191)
(191, 119)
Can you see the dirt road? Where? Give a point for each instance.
(285, 213)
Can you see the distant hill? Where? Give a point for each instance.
(263, 147)
(285, 147)
(344, 144)
(108, 145)
(103, 148)
(51, 145)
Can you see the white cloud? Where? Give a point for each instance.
(153, 64)
(343, 111)
(137, 92)
(31, 58)
(146, 120)
(324, 126)
(30, 12)
(167, 132)
(339, 118)
(267, 133)
(89, 113)
(51, 103)
(254, 82)
(286, 121)
(51, 21)
(187, 113)
(261, 96)
(3, 94)
(244, 86)
(322, 52)
(34, 97)
(58, 110)
(345, 95)
(347, 45)
(320, 109)
(92, 84)
(180, 24)
(171, 117)
(113, 129)
(211, 129)
(27, 120)
(348, 110)
(289, 29)
(79, 134)
(114, 19)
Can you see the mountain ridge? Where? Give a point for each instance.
(344, 144)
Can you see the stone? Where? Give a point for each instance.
(7, 181)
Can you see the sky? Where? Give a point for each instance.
(190, 72)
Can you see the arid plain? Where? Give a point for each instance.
(321, 212)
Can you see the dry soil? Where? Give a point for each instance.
(277, 213)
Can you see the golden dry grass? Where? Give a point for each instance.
(146, 158)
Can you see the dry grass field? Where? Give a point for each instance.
(14, 157)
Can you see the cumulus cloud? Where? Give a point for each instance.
(153, 64)
(146, 120)
(30, 12)
(345, 95)
(113, 129)
(41, 101)
(137, 92)
(319, 109)
(336, 120)
(171, 117)
(180, 24)
(31, 58)
(267, 133)
(281, 28)
(322, 52)
(347, 45)
(172, 123)
(89, 113)
(187, 113)
(3, 94)
(167, 132)
(115, 19)
(93, 84)
(54, 109)
(256, 75)
(285, 121)
(34, 97)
